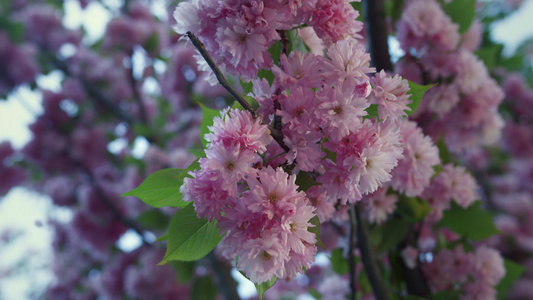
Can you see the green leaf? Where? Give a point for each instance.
(372, 111)
(164, 237)
(358, 6)
(489, 55)
(267, 74)
(339, 263)
(296, 43)
(142, 129)
(250, 100)
(203, 289)
(185, 269)
(161, 188)
(16, 32)
(304, 181)
(316, 230)
(417, 92)
(461, 12)
(394, 9)
(190, 238)
(445, 295)
(152, 42)
(263, 287)
(153, 218)
(207, 120)
(364, 283)
(275, 51)
(316, 294)
(473, 222)
(393, 232)
(413, 209)
(247, 87)
(512, 273)
(329, 155)
(444, 153)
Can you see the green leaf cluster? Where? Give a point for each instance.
(473, 222)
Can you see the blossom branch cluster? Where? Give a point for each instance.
(321, 99)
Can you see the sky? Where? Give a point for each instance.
(24, 212)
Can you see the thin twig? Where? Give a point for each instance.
(276, 133)
(223, 81)
(368, 257)
(136, 94)
(96, 94)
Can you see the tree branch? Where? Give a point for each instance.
(367, 256)
(376, 34)
(107, 202)
(96, 94)
(351, 259)
(226, 283)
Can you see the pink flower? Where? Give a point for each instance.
(187, 18)
(270, 191)
(262, 258)
(324, 205)
(297, 110)
(336, 183)
(457, 184)
(304, 148)
(348, 59)
(341, 110)
(239, 128)
(415, 169)
(488, 265)
(208, 191)
(410, 256)
(298, 69)
(335, 20)
(390, 93)
(232, 163)
(378, 205)
(441, 98)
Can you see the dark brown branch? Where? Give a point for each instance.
(226, 283)
(276, 133)
(351, 258)
(414, 278)
(367, 256)
(377, 34)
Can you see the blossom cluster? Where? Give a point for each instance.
(239, 33)
(474, 274)
(264, 216)
(463, 107)
(320, 101)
